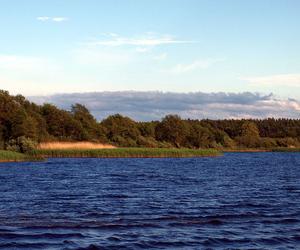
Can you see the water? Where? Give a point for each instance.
(239, 201)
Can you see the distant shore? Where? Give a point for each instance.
(246, 150)
(126, 153)
(41, 154)
(257, 150)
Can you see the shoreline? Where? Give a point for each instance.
(246, 150)
(127, 153)
(253, 150)
(11, 156)
(3, 161)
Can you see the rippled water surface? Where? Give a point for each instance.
(239, 201)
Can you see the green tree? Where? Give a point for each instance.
(121, 130)
(61, 124)
(92, 130)
(249, 135)
(200, 137)
(23, 125)
(172, 129)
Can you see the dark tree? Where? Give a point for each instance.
(172, 129)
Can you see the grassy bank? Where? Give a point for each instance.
(126, 153)
(256, 150)
(9, 156)
(246, 150)
(286, 150)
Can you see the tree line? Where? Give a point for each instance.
(24, 123)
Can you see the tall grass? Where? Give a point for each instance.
(286, 150)
(126, 153)
(6, 156)
(73, 145)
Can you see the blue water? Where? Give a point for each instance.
(239, 201)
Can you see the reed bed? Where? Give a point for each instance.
(125, 153)
(10, 156)
(292, 150)
(73, 145)
(246, 150)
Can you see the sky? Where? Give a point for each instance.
(208, 46)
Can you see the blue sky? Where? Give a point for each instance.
(65, 46)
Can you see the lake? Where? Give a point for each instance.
(239, 201)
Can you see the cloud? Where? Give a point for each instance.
(198, 64)
(20, 63)
(59, 19)
(146, 106)
(142, 49)
(148, 40)
(282, 80)
(53, 19)
(43, 18)
(160, 57)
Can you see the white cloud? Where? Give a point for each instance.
(283, 80)
(142, 49)
(148, 40)
(198, 64)
(43, 18)
(160, 57)
(53, 19)
(154, 105)
(282, 105)
(59, 19)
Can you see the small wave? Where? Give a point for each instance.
(97, 247)
(92, 225)
(90, 247)
(42, 235)
(283, 221)
(214, 222)
(166, 244)
(274, 240)
(114, 238)
(115, 196)
(223, 241)
(23, 245)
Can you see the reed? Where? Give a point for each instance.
(10, 156)
(292, 150)
(126, 153)
(73, 145)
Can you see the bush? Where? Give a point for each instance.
(164, 144)
(228, 142)
(287, 142)
(22, 144)
(123, 142)
(268, 143)
(147, 142)
(2, 144)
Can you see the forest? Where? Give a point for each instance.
(24, 124)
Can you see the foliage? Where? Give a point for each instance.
(121, 130)
(21, 144)
(172, 129)
(249, 135)
(22, 123)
